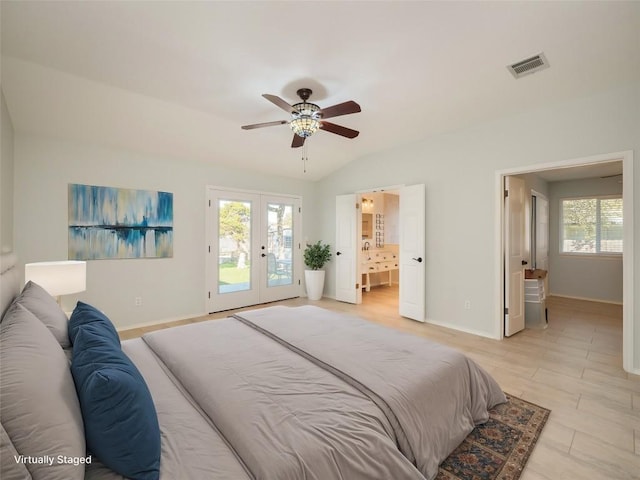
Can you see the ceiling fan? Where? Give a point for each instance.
(307, 118)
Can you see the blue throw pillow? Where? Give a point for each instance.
(89, 317)
(120, 420)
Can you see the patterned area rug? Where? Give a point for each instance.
(499, 449)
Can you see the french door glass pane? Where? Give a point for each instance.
(234, 246)
(279, 244)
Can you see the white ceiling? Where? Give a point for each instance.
(180, 78)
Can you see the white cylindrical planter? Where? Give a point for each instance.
(314, 280)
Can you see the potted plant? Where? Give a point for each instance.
(315, 256)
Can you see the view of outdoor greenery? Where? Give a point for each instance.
(234, 255)
(234, 240)
(592, 225)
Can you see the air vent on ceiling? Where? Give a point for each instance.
(529, 65)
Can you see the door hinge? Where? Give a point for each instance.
(209, 294)
(298, 282)
(506, 311)
(506, 193)
(357, 286)
(299, 209)
(209, 202)
(209, 248)
(357, 206)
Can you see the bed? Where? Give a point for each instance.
(272, 393)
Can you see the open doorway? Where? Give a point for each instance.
(380, 244)
(350, 248)
(606, 169)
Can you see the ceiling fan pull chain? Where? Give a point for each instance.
(305, 158)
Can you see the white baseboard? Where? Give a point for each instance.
(599, 300)
(160, 322)
(454, 326)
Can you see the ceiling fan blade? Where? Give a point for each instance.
(339, 129)
(265, 124)
(340, 109)
(298, 141)
(277, 101)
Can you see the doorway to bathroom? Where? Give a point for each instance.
(380, 243)
(361, 265)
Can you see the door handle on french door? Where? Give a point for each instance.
(524, 262)
(419, 259)
(263, 254)
(338, 253)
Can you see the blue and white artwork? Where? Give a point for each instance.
(106, 222)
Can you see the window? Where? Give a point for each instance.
(591, 225)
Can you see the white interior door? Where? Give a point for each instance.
(514, 243)
(412, 248)
(348, 233)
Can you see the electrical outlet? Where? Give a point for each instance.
(467, 304)
(137, 301)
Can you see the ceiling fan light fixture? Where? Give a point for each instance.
(307, 119)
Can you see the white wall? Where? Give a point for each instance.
(458, 170)
(6, 180)
(170, 288)
(595, 278)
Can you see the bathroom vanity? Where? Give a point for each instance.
(376, 261)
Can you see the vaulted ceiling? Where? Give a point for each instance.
(179, 78)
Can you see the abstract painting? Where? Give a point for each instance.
(107, 222)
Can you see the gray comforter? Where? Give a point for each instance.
(304, 393)
(432, 395)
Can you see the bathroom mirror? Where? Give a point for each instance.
(367, 226)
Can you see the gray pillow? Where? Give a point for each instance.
(39, 408)
(9, 468)
(38, 301)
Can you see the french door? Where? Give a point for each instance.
(253, 248)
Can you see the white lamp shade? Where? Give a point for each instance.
(58, 278)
